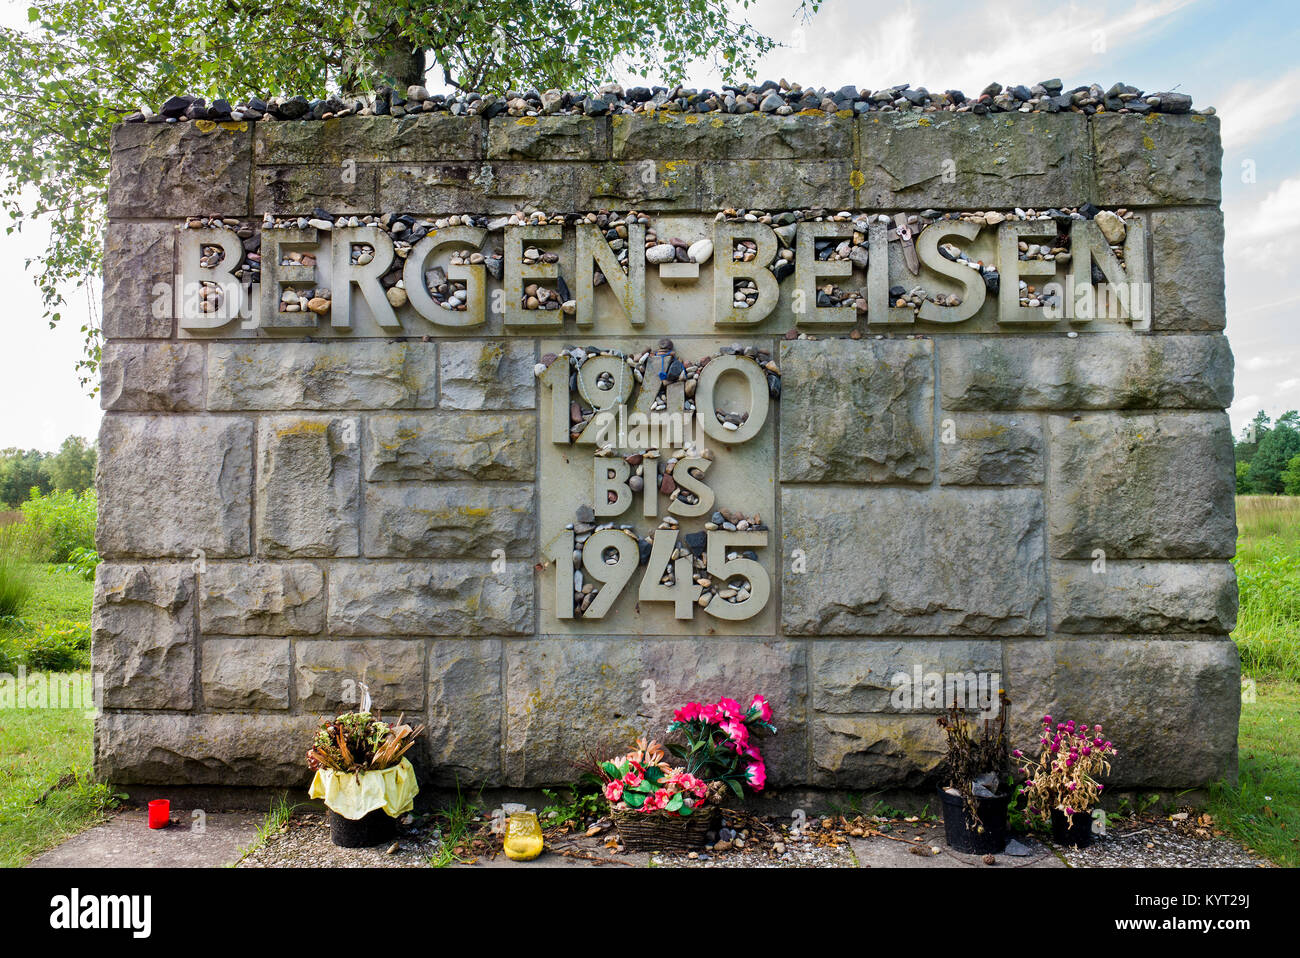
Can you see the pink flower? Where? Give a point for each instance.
(764, 709)
(614, 790)
(653, 802)
(687, 713)
(738, 734)
(729, 707)
(635, 776)
(756, 775)
(711, 714)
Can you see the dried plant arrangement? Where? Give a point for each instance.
(360, 742)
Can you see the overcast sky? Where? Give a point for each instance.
(1240, 57)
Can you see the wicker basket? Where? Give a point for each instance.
(664, 832)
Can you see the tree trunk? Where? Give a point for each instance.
(400, 67)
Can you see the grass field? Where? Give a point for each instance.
(46, 793)
(1268, 576)
(1263, 811)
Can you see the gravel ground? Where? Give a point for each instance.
(304, 842)
(1163, 843)
(1180, 842)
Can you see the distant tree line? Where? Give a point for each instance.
(1268, 455)
(71, 469)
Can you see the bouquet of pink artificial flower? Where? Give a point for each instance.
(643, 782)
(721, 742)
(1065, 775)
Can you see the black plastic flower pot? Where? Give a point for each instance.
(989, 837)
(1075, 830)
(373, 828)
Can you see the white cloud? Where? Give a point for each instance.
(1266, 235)
(1248, 112)
(1256, 363)
(942, 46)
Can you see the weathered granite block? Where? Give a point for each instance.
(643, 185)
(435, 188)
(300, 189)
(139, 273)
(308, 486)
(857, 411)
(151, 377)
(261, 598)
(639, 136)
(336, 375)
(157, 169)
(462, 740)
(990, 449)
(329, 672)
(430, 598)
(370, 139)
(451, 446)
(877, 750)
(747, 184)
(1156, 159)
(143, 635)
(246, 673)
(863, 675)
(1100, 371)
(1144, 597)
(1171, 707)
(563, 137)
(457, 520)
(132, 748)
(904, 562)
(963, 161)
(1141, 486)
(1187, 251)
(169, 486)
(486, 374)
(565, 696)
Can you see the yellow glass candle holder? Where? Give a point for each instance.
(523, 841)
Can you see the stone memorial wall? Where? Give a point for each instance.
(539, 426)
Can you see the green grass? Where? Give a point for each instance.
(15, 570)
(277, 815)
(1263, 812)
(454, 823)
(46, 792)
(1268, 577)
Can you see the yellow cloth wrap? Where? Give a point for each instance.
(354, 796)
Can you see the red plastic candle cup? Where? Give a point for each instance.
(160, 813)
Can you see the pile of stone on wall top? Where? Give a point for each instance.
(780, 98)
